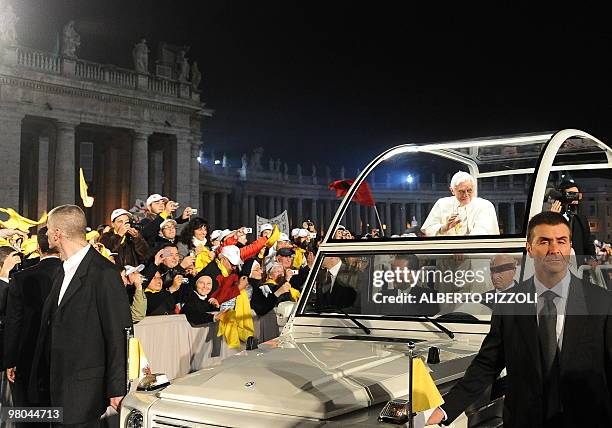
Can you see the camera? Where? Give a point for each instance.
(248, 230)
(294, 271)
(135, 225)
(565, 198)
(194, 211)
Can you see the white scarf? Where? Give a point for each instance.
(196, 242)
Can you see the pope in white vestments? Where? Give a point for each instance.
(463, 213)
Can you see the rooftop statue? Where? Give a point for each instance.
(71, 40)
(140, 54)
(183, 67)
(196, 76)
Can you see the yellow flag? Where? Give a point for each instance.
(87, 200)
(138, 365)
(17, 221)
(425, 394)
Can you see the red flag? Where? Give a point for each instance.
(362, 196)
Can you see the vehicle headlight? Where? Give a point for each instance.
(134, 419)
(152, 382)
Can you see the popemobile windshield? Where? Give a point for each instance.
(415, 269)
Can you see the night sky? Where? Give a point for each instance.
(337, 82)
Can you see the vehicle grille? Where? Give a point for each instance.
(166, 422)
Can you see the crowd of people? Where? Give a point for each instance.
(166, 261)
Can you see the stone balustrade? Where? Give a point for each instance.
(49, 63)
(163, 86)
(38, 60)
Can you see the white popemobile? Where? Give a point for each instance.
(342, 353)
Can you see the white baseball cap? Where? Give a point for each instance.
(232, 253)
(131, 269)
(295, 231)
(302, 233)
(155, 197)
(165, 222)
(216, 234)
(119, 211)
(283, 237)
(266, 226)
(224, 233)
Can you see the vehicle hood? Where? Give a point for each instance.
(315, 379)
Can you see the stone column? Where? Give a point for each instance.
(271, 207)
(195, 201)
(285, 204)
(244, 209)
(357, 219)
(299, 209)
(397, 218)
(10, 151)
(210, 211)
(224, 220)
(65, 165)
(511, 218)
(403, 217)
(252, 212)
(156, 172)
(313, 210)
(182, 172)
(418, 214)
(328, 213)
(43, 174)
(388, 220)
(139, 186)
(278, 203)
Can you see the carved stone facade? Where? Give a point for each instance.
(132, 133)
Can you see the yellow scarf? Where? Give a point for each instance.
(236, 325)
(202, 260)
(223, 269)
(298, 259)
(295, 294)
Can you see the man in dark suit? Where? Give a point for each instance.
(333, 288)
(26, 298)
(558, 353)
(80, 358)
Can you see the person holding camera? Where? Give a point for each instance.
(159, 208)
(125, 240)
(567, 202)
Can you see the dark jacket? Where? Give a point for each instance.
(4, 289)
(133, 250)
(259, 302)
(161, 302)
(150, 227)
(585, 361)
(27, 294)
(197, 310)
(80, 357)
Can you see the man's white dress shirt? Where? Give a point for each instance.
(70, 265)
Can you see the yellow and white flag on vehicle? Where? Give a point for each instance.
(425, 394)
(138, 365)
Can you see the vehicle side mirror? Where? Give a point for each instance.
(283, 312)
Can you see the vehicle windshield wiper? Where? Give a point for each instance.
(440, 326)
(350, 317)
